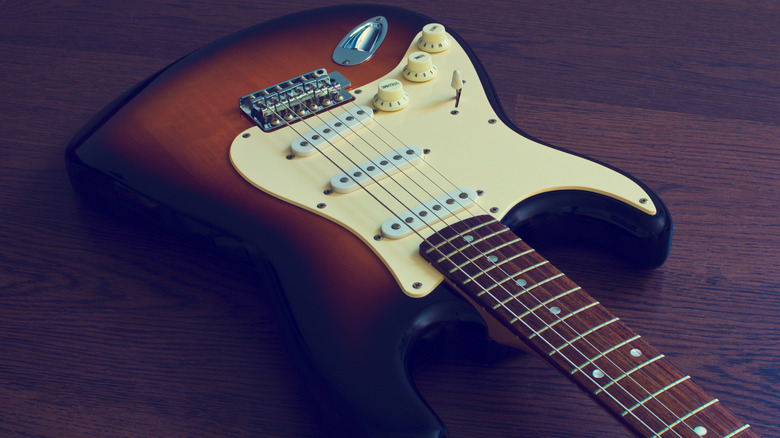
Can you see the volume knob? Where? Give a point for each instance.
(390, 96)
(420, 67)
(434, 38)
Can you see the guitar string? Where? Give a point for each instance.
(567, 342)
(370, 160)
(566, 323)
(455, 214)
(466, 273)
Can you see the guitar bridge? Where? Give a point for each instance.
(296, 99)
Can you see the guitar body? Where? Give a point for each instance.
(163, 150)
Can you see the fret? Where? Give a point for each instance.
(564, 318)
(688, 415)
(603, 353)
(524, 290)
(582, 335)
(513, 275)
(629, 372)
(460, 234)
(479, 255)
(471, 243)
(544, 304)
(655, 394)
(507, 260)
(738, 431)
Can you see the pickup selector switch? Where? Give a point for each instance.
(434, 38)
(391, 96)
(420, 67)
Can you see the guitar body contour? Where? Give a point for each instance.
(164, 150)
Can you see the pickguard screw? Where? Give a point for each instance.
(643, 201)
(454, 112)
(378, 237)
(321, 205)
(492, 121)
(290, 156)
(494, 209)
(426, 151)
(358, 91)
(327, 192)
(417, 285)
(246, 135)
(480, 192)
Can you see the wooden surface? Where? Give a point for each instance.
(109, 327)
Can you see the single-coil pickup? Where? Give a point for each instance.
(339, 127)
(429, 213)
(377, 169)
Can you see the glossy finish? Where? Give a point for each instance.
(110, 327)
(354, 350)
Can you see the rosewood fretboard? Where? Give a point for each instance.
(574, 333)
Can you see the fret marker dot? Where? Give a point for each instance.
(597, 373)
(468, 238)
(492, 258)
(555, 310)
(521, 282)
(636, 352)
(700, 430)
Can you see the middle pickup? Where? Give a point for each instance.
(377, 169)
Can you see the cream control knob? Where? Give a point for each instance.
(391, 96)
(434, 38)
(420, 67)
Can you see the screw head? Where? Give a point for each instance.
(321, 205)
(417, 285)
(494, 209)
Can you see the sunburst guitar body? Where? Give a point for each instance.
(381, 191)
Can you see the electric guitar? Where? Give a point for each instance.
(366, 169)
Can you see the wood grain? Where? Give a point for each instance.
(110, 327)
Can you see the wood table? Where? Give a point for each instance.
(111, 327)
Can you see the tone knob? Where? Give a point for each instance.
(434, 38)
(420, 67)
(390, 96)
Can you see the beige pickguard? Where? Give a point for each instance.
(472, 148)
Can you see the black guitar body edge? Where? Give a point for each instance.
(365, 387)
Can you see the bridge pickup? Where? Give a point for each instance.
(350, 121)
(429, 213)
(377, 169)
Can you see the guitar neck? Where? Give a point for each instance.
(574, 333)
